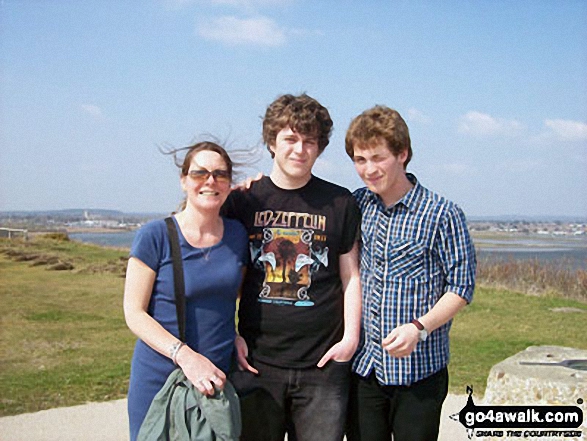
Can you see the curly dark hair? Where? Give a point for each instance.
(303, 114)
(376, 124)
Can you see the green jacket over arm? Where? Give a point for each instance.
(179, 412)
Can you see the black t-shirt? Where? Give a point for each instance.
(291, 308)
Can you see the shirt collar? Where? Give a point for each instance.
(409, 200)
(412, 197)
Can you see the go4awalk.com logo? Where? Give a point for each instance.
(520, 421)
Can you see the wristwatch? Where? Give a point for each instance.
(422, 332)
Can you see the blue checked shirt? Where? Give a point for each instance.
(412, 253)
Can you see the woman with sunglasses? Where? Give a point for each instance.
(214, 250)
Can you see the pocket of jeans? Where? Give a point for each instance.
(244, 382)
(339, 369)
(337, 374)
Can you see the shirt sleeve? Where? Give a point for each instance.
(232, 206)
(457, 254)
(148, 243)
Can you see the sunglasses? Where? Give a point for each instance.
(202, 175)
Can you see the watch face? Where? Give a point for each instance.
(423, 335)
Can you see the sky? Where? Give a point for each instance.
(494, 93)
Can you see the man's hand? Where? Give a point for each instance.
(402, 341)
(342, 351)
(242, 351)
(246, 184)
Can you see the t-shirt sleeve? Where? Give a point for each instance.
(232, 206)
(148, 243)
(352, 225)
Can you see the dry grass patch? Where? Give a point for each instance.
(535, 277)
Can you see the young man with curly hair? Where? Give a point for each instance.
(300, 307)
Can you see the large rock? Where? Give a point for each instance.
(543, 383)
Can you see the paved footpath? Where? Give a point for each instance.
(108, 422)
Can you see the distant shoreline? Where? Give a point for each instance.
(476, 235)
(78, 230)
(98, 230)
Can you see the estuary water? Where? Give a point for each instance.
(121, 239)
(565, 250)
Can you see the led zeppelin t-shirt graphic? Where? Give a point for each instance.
(288, 257)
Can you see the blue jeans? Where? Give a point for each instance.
(308, 404)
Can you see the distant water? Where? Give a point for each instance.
(568, 252)
(121, 240)
(571, 252)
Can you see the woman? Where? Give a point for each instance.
(213, 251)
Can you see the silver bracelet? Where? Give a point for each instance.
(173, 351)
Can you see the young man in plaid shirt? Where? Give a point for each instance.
(417, 272)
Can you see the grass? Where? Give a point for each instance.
(63, 340)
(500, 323)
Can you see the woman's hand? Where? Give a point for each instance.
(203, 374)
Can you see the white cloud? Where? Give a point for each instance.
(416, 115)
(567, 130)
(260, 31)
(477, 123)
(92, 110)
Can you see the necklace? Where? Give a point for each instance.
(194, 238)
